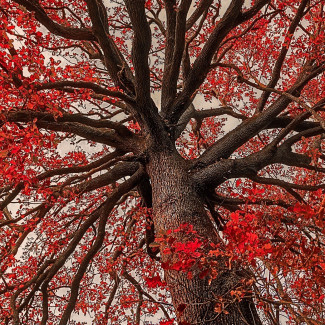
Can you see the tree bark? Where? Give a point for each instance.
(176, 202)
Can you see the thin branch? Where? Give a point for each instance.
(284, 50)
(137, 285)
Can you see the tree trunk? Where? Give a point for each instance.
(175, 202)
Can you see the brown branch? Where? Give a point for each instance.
(191, 112)
(186, 62)
(209, 177)
(84, 85)
(222, 200)
(224, 147)
(283, 121)
(198, 12)
(140, 50)
(45, 304)
(170, 6)
(121, 170)
(113, 58)
(284, 50)
(79, 169)
(73, 124)
(137, 285)
(145, 108)
(158, 22)
(232, 18)
(103, 210)
(297, 137)
(172, 67)
(10, 197)
(286, 185)
(75, 284)
(53, 27)
(109, 302)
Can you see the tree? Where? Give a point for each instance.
(176, 135)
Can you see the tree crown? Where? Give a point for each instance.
(92, 90)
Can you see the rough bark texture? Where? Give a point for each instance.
(104, 95)
(176, 202)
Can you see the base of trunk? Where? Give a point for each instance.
(175, 203)
(197, 301)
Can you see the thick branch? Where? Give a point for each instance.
(85, 85)
(191, 112)
(100, 135)
(78, 169)
(215, 174)
(224, 147)
(172, 68)
(225, 201)
(201, 66)
(170, 6)
(121, 170)
(114, 60)
(287, 185)
(140, 50)
(53, 27)
(198, 12)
